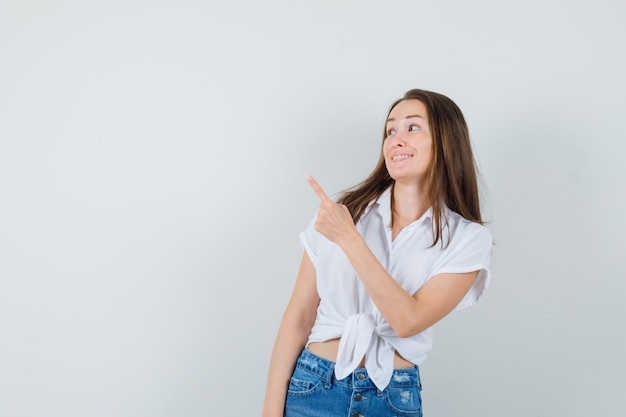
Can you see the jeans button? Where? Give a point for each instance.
(355, 414)
(361, 377)
(358, 397)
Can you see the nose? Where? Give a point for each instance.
(398, 140)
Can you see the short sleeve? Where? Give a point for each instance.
(310, 240)
(469, 250)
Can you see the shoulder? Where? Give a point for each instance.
(461, 225)
(463, 231)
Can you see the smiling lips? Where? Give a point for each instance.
(401, 157)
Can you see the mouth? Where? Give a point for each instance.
(402, 157)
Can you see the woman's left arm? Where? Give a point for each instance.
(406, 314)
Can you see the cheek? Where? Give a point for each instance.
(426, 153)
(426, 148)
(386, 148)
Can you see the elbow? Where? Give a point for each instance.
(407, 330)
(301, 323)
(404, 333)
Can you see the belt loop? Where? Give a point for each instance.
(328, 377)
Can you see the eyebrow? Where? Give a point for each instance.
(391, 119)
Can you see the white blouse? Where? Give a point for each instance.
(346, 310)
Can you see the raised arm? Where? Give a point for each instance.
(407, 314)
(294, 330)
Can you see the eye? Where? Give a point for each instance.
(413, 128)
(391, 132)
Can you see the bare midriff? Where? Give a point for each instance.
(328, 350)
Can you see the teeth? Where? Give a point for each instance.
(395, 158)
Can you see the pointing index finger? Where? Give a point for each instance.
(318, 190)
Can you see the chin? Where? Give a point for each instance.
(407, 179)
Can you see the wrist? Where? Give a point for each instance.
(349, 239)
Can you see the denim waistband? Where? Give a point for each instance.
(359, 378)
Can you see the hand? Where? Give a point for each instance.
(333, 220)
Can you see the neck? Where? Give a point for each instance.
(409, 203)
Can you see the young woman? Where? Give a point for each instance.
(389, 259)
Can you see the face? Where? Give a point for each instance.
(408, 144)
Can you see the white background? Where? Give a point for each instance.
(152, 162)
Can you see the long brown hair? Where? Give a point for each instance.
(451, 177)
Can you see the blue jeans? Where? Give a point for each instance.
(315, 392)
